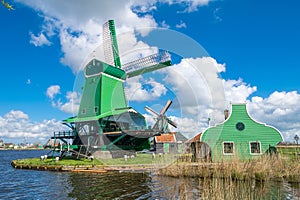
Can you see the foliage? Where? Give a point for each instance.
(7, 5)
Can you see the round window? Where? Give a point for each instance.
(240, 126)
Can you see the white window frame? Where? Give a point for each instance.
(260, 150)
(223, 147)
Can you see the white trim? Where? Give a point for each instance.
(260, 150)
(226, 154)
(245, 125)
(102, 73)
(264, 124)
(110, 76)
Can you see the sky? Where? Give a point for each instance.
(223, 52)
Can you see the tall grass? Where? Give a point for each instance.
(262, 169)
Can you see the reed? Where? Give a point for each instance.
(261, 169)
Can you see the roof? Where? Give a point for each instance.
(195, 138)
(94, 118)
(180, 137)
(165, 138)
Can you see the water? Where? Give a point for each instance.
(30, 184)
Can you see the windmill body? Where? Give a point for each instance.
(104, 120)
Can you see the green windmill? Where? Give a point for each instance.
(104, 121)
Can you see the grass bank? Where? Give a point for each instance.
(49, 164)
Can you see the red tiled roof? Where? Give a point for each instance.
(165, 138)
(195, 138)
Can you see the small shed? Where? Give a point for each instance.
(166, 143)
(240, 136)
(200, 150)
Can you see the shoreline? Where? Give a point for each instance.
(29, 149)
(86, 168)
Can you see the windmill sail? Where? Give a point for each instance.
(110, 44)
(162, 120)
(147, 64)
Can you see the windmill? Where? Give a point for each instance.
(104, 120)
(162, 120)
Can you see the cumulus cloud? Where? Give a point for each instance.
(237, 91)
(196, 82)
(39, 40)
(78, 24)
(71, 103)
(149, 5)
(280, 109)
(181, 25)
(17, 124)
(52, 91)
(139, 89)
(198, 90)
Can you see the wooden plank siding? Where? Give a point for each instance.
(250, 131)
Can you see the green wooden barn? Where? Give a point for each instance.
(240, 136)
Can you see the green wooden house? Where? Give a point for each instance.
(240, 136)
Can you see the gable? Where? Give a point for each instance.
(241, 129)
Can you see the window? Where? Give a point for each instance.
(255, 147)
(228, 148)
(96, 109)
(83, 111)
(240, 126)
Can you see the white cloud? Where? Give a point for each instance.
(17, 124)
(216, 15)
(39, 40)
(16, 115)
(138, 89)
(71, 105)
(164, 24)
(280, 109)
(78, 24)
(196, 82)
(28, 82)
(146, 6)
(198, 90)
(236, 91)
(181, 25)
(52, 91)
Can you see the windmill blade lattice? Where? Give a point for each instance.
(149, 110)
(147, 64)
(110, 44)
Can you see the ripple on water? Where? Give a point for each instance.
(30, 184)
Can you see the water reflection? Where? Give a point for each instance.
(109, 185)
(198, 188)
(29, 184)
(149, 186)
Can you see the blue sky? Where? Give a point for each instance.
(252, 46)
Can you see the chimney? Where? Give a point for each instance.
(226, 113)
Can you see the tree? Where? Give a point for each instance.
(7, 5)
